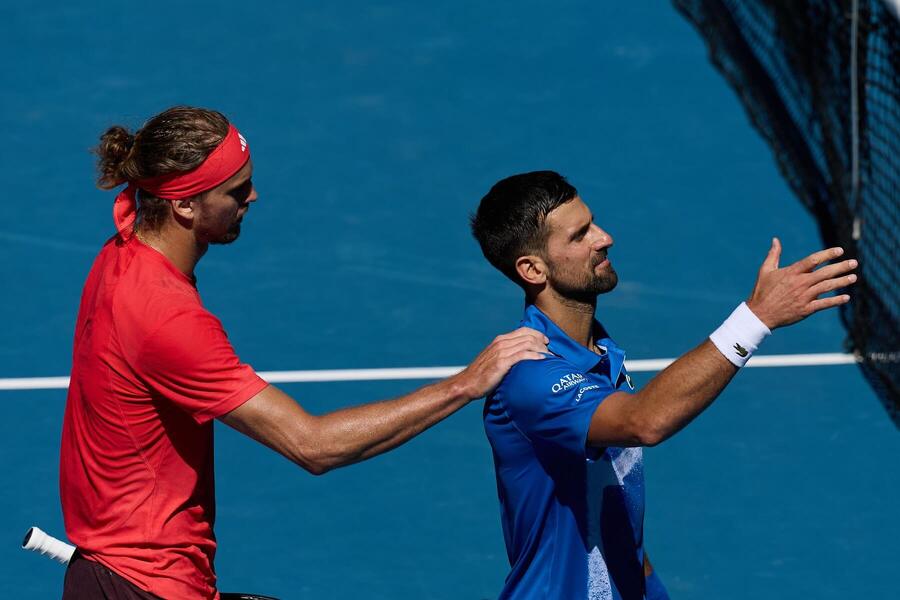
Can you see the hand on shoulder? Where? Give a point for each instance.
(524, 345)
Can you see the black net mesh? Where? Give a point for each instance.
(820, 82)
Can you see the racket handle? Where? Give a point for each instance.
(40, 542)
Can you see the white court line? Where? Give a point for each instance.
(334, 375)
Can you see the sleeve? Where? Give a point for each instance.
(552, 403)
(190, 361)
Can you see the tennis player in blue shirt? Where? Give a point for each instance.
(567, 431)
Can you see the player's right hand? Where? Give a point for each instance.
(492, 364)
(787, 295)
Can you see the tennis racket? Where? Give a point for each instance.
(41, 542)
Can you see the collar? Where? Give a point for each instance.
(565, 347)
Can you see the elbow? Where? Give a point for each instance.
(311, 449)
(313, 458)
(314, 463)
(650, 437)
(648, 431)
(316, 468)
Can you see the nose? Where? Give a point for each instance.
(253, 195)
(602, 239)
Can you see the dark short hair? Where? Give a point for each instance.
(511, 219)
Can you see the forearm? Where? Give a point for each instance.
(325, 442)
(353, 434)
(321, 443)
(682, 391)
(690, 384)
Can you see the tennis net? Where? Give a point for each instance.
(819, 80)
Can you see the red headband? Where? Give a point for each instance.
(227, 159)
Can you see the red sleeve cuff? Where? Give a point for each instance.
(231, 402)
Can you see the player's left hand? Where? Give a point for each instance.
(783, 296)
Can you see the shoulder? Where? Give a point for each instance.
(185, 325)
(528, 370)
(183, 338)
(532, 380)
(148, 293)
(162, 316)
(140, 313)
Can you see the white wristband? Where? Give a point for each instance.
(740, 335)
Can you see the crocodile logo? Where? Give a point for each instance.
(741, 351)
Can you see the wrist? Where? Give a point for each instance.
(760, 314)
(740, 335)
(457, 388)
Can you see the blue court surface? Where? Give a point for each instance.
(376, 127)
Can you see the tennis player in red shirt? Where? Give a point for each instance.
(152, 368)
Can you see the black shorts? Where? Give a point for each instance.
(89, 580)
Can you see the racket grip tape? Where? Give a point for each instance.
(42, 543)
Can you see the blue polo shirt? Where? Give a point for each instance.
(572, 516)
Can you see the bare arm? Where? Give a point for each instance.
(321, 443)
(686, 387)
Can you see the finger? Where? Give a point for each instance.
(772, 258)
(831, 285)
(507, 346)
(814, 260)
(832, 271)
(502, 366)
(512, 360)
(536, 335)
(527, 355)
(830, 302)
(525, 345)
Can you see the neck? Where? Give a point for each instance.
(175, 243)
(574, 317)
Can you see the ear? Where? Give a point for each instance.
(532, 269)
(183, 209)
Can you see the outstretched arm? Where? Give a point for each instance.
(690, 384)
(321, 443)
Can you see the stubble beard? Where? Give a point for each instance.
(586, 288)
(227, 238)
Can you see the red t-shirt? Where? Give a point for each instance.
(151, 368)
